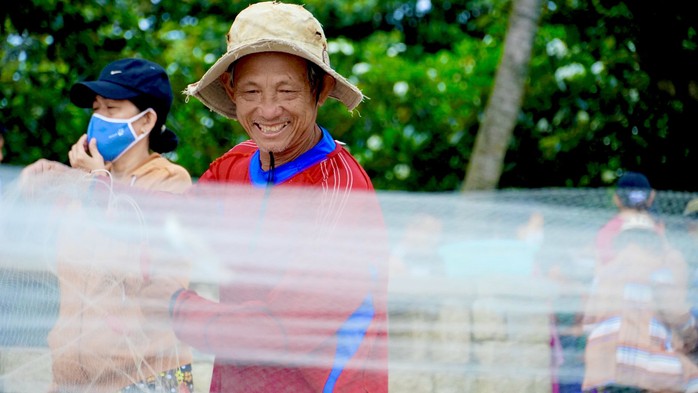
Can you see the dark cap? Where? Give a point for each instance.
(634, 190)
(126, 79)
(634, 180)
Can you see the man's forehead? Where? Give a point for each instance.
(275, 64)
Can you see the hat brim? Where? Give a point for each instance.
(211, 92)
(82, 94)
(691, 208)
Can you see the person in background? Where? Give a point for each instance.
(417, 252)
(91, 349)
(273, 79)
(637, 316)
(633, 197)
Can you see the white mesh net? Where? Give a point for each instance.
(485, 292)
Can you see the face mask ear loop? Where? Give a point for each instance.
(124, 121)
(137, 138)
(138, 116)
(134, 118)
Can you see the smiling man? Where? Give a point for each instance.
(315, 318)
(273, 79)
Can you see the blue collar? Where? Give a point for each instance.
(319, 152)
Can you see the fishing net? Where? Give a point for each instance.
(484, 291)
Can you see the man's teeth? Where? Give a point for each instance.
(271, 129)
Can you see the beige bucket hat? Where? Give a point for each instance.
(691, 207)
(271, 27)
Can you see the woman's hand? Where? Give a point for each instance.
(85, 156)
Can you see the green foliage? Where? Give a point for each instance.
(595, 102)
(422, 114)
(595, 99)
(413, 133)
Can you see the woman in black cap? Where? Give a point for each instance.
(130, 101)
(99, 342)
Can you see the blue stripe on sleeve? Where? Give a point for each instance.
(349, 338)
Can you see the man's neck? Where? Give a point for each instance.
(291, 153)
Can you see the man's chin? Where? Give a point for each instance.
(274, 148)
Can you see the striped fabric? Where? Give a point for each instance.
(630, 341)
(349, 354)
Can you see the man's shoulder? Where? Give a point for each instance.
(611, 227)
(344, 167)
(243, 149)
(232, 162)
(240, 151)
(341, 152)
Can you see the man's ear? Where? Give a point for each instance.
(328, 83)
(225, 79)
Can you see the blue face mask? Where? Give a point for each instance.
(114, 136)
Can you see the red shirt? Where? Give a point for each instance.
(327, 165)
(287, 326)
(608, 233)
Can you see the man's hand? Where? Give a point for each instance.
(85, 156)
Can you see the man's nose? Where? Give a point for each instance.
(270, 106)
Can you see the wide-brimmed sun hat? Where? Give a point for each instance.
(271, 27)
(691, 209)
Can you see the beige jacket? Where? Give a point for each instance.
(101, 341)
(159, 174)
(638, 323)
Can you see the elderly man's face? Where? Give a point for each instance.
(274, 101)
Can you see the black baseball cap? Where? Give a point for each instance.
(634, 180)
(634, 190)
(126, 79)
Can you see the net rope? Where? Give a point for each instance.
(485, 291)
